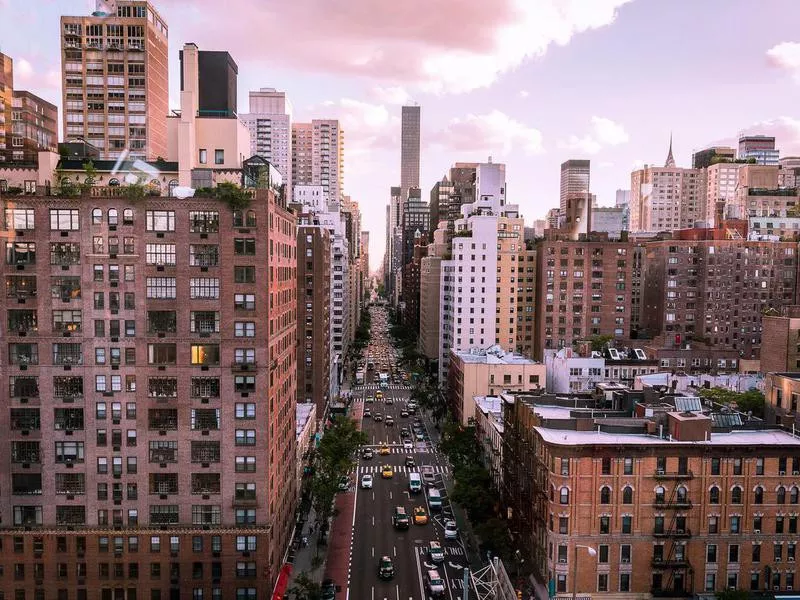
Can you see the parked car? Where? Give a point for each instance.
(450, 530)
(344, 483)
(328, 590)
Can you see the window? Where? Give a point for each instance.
(160, 254)
(244, 246)
(204, 287)
(19, 218)
(605, 524)
(736, 495)
(780, 495)
(219, 157)
(244, 356)
(737, 466)
(205, 221)
(245, 543)
(733, 553)
(245, 410)
(127, 216)
(24, 253)
(161, 354)
(203, 255)
(606, 466)
(160, 220)
(205, 354)
(758, 496)
(245, 437)
(245, 301)
(244, 383)
(202, 156)
(715, 466)
(625, 582)
(161, 288)
(564, 495)
(627, 466)
(565, 466)
(713, 495)
(711, 553)
(627, 524)
(64, 219)
(245, 464)
(627, 495)
(244, 274)
(244, 329)
(206, 321)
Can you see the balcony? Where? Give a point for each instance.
(672, 533)
(669, 563)
(673, 504)
(665, 476)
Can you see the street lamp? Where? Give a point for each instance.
(592, 552)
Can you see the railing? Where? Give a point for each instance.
(661, 475)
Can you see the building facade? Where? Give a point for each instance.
(34, 127)
(667, 198)
(318, 156)
(313, 307)
(697, 509)
(270, 125)
(780, 332)
(115, 80)
(761, 148)
(526, 299)
(575, 179)
(122, 454)
(410, 125)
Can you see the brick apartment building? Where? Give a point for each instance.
(125, 325)
(697, 509)
(314, 304)
(526, 299)
(583, 289)
(711, 294)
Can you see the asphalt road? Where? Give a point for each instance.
(374, 536)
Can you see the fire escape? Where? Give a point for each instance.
(670, 556)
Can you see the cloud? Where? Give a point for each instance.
(604, 132)
(367, 126)
(785, 129)
(524, 93)
(411, 43)
(390, 94)
(786, 56)
(23, 71)
(490, 133)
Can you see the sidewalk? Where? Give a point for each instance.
(303, 561)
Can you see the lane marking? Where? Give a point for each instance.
(394, 550)
(419, 575)
(373, 552)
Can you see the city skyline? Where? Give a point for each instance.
(493, 107)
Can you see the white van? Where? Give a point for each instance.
(434, 498)
(414, 483)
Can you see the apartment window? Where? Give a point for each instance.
(735, 524)
(606, 466)
(205, 354)
(204, 387)
(244, 246)
(163, 514)
(564, 466)
(244, 383)
(67, 321)
(204, 288)
(64, 219)
(605, 524)
(627, 466)
(24, 253)
(244, 301)
(627, 495)
(244, 356)
(244, 329)
(205, 452)
(245, 464)
(756, 553)
(162, 387)
(713, 495)
(68, 452)
(67, 354)
(161, 354)
(602, 554)
(627, 524)
(733, 553)
(245, 437)
(203, 255)
(737, 466)
(625, 582)
(245, 410)
(219, 157)
(161, 288)
(19, 218)
(205, 221)
(202, 157)
(162, 321)
(715, 466)
(205, 419)
(204, 321)
(160, 220)
(160, 254)
(244, 274)
(736, 495)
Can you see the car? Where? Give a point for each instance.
(344, 482)
(400, 518)
(404, 432)
(389, 401)
(379, 395)
(367, 453)
(450, 530)
(378, 417)
(412, 410)
(419, 437)
(435, 552)
(389, 421)
(412, 404)
(434, 583)
(366, 481)
(407, 445)
(328, 590)
(410, 462)
(387, 472)
(420, 515)
(385, 568)
(384, 450)
(367, 413)
(369, 400)
(403, 414)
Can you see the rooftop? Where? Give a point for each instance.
(493, 355)
(305, 411)
(772, 437)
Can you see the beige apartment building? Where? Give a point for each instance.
(489, 372)
(115, 80)
(667, 198)
(510, 241)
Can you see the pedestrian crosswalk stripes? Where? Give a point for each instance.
(409, 450)
(375, 387)
(375, 469)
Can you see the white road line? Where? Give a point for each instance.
(419, 574)
(394, 550)
(373, 592)
(397, 591)
(373, 524)
(373, 552)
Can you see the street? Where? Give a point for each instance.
(374, 535)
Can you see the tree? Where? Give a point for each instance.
(733, 595)
(749, 401)
(599, 342)
(495, 538)
(233, 195)
(90, 173)
(305, 588)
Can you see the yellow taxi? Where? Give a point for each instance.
(420, 516)
(387, 472)
(379, 395)
(384, 450)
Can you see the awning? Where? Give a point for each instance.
(282, 583)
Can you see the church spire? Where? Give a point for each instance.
(670, 164)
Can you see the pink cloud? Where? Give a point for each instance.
(786, 56)
(443, 46)
(491, 133)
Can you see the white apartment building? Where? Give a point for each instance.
(270, 125)
(667, 198)
(722, 179)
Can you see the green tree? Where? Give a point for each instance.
(495, 538)
(749, 401)
(233, 195)
(733, 595)
(599, 342)
(305, 588)
(90, 173)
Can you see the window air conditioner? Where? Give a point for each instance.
(756, 531)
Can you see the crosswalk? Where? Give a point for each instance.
(374, 469)
(368, 387)
(448, 551)
(400, 450)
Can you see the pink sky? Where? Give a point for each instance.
(529, 82)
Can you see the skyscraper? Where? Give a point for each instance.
(318, 156)
(409, 149)
(115, 79)
(270, 126)
(575, 206)
(759, 147)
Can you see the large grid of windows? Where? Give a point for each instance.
(19, 218)
(160, 220)
(204, 288)
(161, 287)
(203, 255)
(160, 254)
(203, 221)
(21, 253)
(64, 219)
